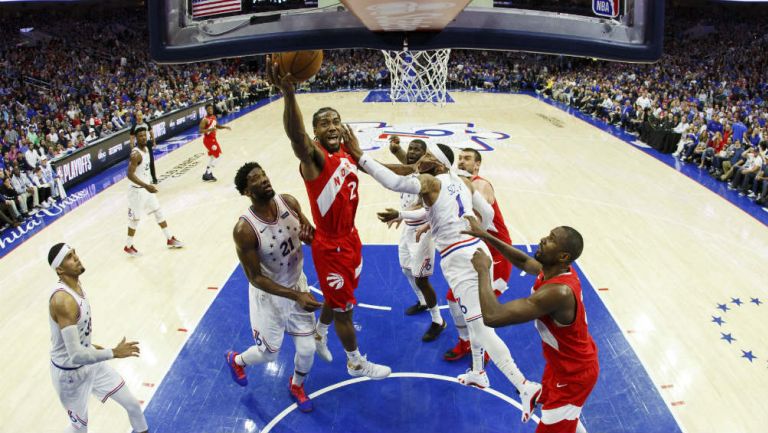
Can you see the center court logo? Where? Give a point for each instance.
(335, 280)
(375, 135)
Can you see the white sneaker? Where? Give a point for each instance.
(368, 369)
(477, 379)
(321, 348)
(529, 394)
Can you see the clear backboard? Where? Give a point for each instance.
(195, 30)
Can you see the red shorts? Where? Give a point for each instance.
(563, 396)
(213, 147)
(338, 262)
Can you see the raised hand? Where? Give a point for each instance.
(394, 144)
(308, 302)
(284, 83)
(481, 261)
(350, 142)
(124, 349)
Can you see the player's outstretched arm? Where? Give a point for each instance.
(512, 254)
(547, 300)
(64, 311)
(293, 121)
(246, 245)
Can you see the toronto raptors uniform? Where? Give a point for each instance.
(502, 268)
(209, 138)
(281, 261)
(417, 257)
(139, 199)
(446, 217)
(572, 366)
(75, 383)
(336, 249)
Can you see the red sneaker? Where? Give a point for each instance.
(131, 251)
(174, 243)
(298, 394)
(460, 350)
(238, 372)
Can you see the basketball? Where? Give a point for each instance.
(302, 65)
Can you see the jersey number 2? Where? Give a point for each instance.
(352, 186)
(287, 247)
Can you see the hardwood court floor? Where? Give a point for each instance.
(667, 249)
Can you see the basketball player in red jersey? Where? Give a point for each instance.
(469, 161)
(330, 176)
(208, 127)
(556, 305)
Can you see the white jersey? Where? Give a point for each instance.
(279, 246)
(446, 215)
(59, 355)
(410, 202)
(142, 171)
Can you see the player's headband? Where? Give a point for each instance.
(435, 150)
(60, 256)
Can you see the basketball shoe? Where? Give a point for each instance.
(238, 372)
(298, 394)
(460, 350)
(368, 369)
(529, 394)
(321, 348)
(477, 379)
(174, 243)
(131, 251)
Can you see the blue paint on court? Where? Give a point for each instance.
(198, 393)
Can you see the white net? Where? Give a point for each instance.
(418, 76)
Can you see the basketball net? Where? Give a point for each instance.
(418, 76)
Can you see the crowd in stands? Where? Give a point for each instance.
(63, 86)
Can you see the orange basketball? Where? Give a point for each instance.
(302, 65)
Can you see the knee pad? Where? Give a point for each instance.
(159, 217)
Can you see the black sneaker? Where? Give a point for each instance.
(433, 332)
(415, 309)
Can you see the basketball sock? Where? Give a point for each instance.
(435, 313)
(304, 357)
(212, 162)
(298, 378)
(167, 233)
(478, 363)
(458, 320)
(322, 328)
(129, 241)
(497, 350)
(355, 357)
(414, 287)
(251, 356)
(207, 170)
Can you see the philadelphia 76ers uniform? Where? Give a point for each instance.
(336, 248)
(282, 261)
(75, 383)
(572, 366)
(417, 257)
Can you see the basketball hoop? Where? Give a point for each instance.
(418, 76)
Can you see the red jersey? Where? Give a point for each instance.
(333, 195)
(567, 349)
(210, 136)
(501, 231)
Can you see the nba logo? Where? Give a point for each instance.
(606, 8)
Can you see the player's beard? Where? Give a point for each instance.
(264, 195)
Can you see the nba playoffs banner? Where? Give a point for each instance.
(104, 153)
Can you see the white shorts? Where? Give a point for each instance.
(462, 277)
(272, 316)
(417, 257)
(141, 201)
(74, 387)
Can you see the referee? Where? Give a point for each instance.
(142, 125)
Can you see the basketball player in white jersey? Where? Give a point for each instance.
(268, 240)
(78, 369)
(142, 196)
(417, 257)
(447, 198)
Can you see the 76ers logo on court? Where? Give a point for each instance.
(375, 135)
(335, 280)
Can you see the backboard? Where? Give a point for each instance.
(196, 30)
